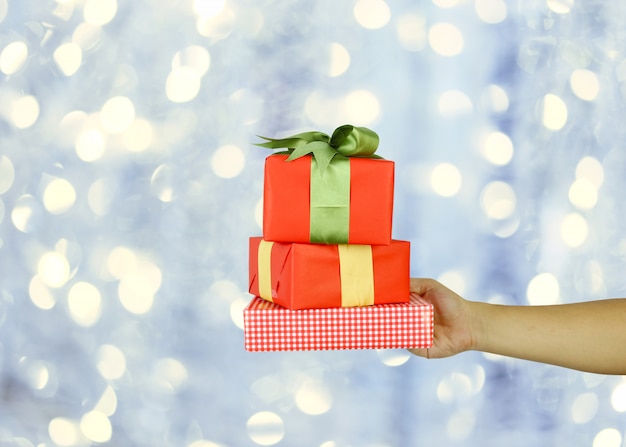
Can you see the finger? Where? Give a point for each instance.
(420, 285)
(420, 352)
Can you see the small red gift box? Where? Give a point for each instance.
(270, 327)
(293, 212)
(300, 276)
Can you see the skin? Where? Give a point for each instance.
(588, 336)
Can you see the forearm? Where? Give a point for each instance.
(588, 336)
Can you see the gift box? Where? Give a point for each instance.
(299, 276)
(270, 327)
(349, 201)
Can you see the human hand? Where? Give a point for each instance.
(452, 325)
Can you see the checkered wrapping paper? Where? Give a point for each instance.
(270, 327)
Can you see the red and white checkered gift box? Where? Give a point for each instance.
(270, 327)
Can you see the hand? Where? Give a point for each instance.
(452, 328)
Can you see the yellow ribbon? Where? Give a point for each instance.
(264, 263)
(356, 267)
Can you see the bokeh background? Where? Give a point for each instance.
(129, 186)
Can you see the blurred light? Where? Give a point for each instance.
(498, 148)
(59, 196)
(228, 161)
(107, 404)
(313, 398)
(25, 213)
(393, 357)
(574, 230)
(99, 197)
(560, 6)
(258, 213)
(208, 8)
(85, 303)
(90, 145)
(24, 111)
(554, 112)
(453, 103)
(172, 373)
(99, 12)
(446, 179)
(96, 426)
(265, 428)
(137, 287)
(461, 424)
(117, 114)
(36, 372)
(87, 36)
(446, 3)
(498, 200)
(182, 85)
(453, 280)
(161, 183)
(618, 398)
(40, 294)
(203, 443)
(13, 57)
(138, 136)
(445, 39)
(583, 194)
(372, 14)
(339, 60)
(7, 174)
(64, 432)
(491, 11)
(236, 312)
(217, 27)
(609, 437)
(68, 57)
(411, 31)
(590, 279)
(195, 57)
(589, 168)
(498, 98)
(456, 386)
(4, 6)
(121, 260)
(585, 408)
(585, 84)
(111, 362)
(362, 107)
(543, 289)
(53, 269)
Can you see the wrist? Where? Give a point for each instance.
(477, 325)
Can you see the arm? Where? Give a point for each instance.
(589, 336)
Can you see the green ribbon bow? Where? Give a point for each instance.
(330, 175)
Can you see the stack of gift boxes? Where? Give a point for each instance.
(327, 274)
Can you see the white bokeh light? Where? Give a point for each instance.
(411, 32)
(589, 168)
(560, 6)
(446, 179)
(585, 408)
(7, 174)
(618, 398)
(265, 428)
(498, 200)
(64, 432)
(339, 60)
(59, 196)
(583, 194)
(609, 437)
(111, 362)
(362, 107)
(445, 39)
(228, 161)
(117, 114)
(90, 145)
(13, 57)
(574, 230)
(372, 14)
(96, 426)
(452, 103)
(543, 289)
(68, 58)
(99, 12)
(553, 112)
(313, 398)
(585, 84)
(53, 269)
(491, 11)
(182, 84)
(195, 57)
(24, 111)
(85, 303)
(498, 148)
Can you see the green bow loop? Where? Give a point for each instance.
(354, 141)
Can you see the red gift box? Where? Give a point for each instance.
(300, 276)
(270, 327)
(287, 201)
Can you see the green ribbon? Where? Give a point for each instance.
(330, 175)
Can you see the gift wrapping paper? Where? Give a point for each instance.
(299, 276)
(290, 212)
(270, 327)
